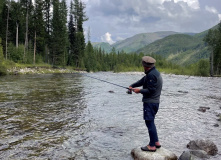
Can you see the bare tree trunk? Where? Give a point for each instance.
(211, 64)
(16, 34)
(26, 34)
(34, 49)
(46, 54)
(6, 38)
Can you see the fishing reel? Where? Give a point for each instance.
(129, 91)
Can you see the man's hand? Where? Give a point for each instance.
(136, 90)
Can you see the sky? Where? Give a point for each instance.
(115, 20)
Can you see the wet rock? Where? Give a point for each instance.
(160, 154)
(200, 154)
(186, 156)
(208, 146)
(16, 72)
(216, 125)
(4, 147)
(203, 109)
(183, 91)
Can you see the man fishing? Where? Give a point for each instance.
(152, 86)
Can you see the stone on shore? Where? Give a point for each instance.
(160, 154)
(206, 145)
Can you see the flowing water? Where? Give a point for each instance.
(71, 116)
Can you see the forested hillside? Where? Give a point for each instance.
(103, 45)
(36, 31)
(180, 49)
(135, 42)
(45, 32)
(138, 41)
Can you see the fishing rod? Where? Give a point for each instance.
(129, 91)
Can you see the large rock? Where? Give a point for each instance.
(206, 145)
(160, 154)
(200, 154)
(186, 155)
(193, 155)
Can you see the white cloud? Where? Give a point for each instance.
(211, 10)
(107, 38)
(191, 3)
(119, 38)
(126, 18)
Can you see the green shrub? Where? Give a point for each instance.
(16, 54)
(203, 68)
(3, 70)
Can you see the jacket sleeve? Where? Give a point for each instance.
(151, 82)
(138, 83)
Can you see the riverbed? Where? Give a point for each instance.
(72, 116)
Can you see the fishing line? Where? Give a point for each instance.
(129, 90)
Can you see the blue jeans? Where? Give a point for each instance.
(152, 132)
(150, 110)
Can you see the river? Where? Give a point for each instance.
(75, 117)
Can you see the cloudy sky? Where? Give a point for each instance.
(114, 20)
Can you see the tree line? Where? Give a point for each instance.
(47, 31)
(40, 33)
(213, 39)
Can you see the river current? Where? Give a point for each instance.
(75, 117)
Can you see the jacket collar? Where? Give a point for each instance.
(146, 72)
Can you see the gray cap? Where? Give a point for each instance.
(148, 61)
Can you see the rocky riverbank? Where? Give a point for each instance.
(197, 149)
(40, 70)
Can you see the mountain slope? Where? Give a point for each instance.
(134, 43)
(181, 49)
(140, 40)
(103, 45)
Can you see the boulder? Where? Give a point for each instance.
(208, 146)
(203, 109)
(160, 154)
(186, 155)
(193, 155)
(200, 154)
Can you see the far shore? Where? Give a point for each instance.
(40, 70)
(51, 70)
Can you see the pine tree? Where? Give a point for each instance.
(16, 19)
(79, 17)
(39, 30)
(59, 33)
(213, 39)
(64, 31)
(72, 37)
(7, 31)
(27, 11)
(47, 21)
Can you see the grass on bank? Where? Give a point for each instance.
(199, 69)
(9, 67)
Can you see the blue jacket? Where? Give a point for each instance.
(152, 86)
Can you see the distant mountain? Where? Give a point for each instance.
(103, 45)
(138, 41)
(181, 49)
(134, 43)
